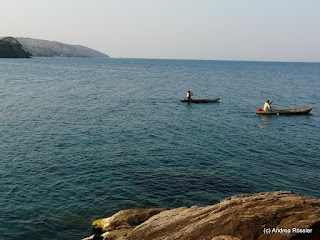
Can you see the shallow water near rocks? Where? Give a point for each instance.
(81, 139)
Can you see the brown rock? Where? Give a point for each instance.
(120, 225)
(121, 234)
(245, 216)
(225, 237)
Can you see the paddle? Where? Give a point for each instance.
(274, 106)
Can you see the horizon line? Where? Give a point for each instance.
(221, 60)
(155, 58)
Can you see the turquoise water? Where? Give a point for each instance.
(81, 139)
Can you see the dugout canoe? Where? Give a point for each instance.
(206, 100)
(297, 111)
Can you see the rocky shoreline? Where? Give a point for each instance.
(262, 216)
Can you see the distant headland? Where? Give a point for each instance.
(11, 48)
(45, 48)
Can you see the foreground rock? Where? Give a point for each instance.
(278, 215)
(121, 224)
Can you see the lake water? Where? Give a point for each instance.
(82, 138)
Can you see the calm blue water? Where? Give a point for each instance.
(81, 139)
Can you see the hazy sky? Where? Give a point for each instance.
(274, 30)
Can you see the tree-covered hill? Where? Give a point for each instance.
(44, 48)
(11, 48)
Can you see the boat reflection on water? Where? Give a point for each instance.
(266, 120)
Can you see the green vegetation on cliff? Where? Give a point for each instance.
(11, 48)
(44, 48)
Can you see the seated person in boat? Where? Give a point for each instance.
(267, 106)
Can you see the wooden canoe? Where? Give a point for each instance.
(298, 111)
(206, 100)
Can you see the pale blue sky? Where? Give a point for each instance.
(265, 30)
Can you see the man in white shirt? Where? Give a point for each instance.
(267, 106)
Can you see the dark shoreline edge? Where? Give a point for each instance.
(12, 48)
